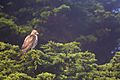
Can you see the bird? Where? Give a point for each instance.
(30, 41)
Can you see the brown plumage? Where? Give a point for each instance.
(30, 41)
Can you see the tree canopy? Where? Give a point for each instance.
(54, 64)
(91, 22)
(77, 37)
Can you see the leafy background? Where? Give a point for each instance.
(93, 25)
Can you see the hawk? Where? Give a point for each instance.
(30, 41)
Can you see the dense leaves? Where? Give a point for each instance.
(53, 47)
(92, 22)
(52, 64)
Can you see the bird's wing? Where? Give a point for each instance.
(28, 41)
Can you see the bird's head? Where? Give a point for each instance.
(34, 32)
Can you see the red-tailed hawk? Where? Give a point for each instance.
(30, 41)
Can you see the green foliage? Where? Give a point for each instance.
(72, 18)
(59, 61)
(8, 58)
(87, 39)
(32, 61)
(53, 47)
(109, 71)
(11, 24)
(45, 76)
(4, 46)
(63, 7)
(46, 13)
(18, 76)
(116, 58)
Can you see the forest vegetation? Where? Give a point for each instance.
(77, 37)
(56, 61)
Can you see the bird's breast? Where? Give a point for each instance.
(35, 42)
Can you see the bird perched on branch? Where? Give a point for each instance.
(30, 41)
